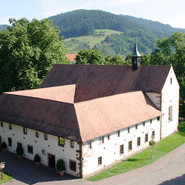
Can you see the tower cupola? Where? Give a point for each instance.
(136, 58)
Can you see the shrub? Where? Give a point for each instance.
(60, 165)
(3, 145)
(37, 158)
(151, 143)
(19, 150)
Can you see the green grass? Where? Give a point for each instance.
(144, 158)
(91, 41)
(6, 178)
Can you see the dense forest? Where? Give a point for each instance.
(80, 23)
(79, 29)
(84, 22)
(2, 27)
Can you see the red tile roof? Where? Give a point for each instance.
(79, 121)
(108, 114)
(82, 102)
(94, 81)
(48, 116)
(61, 93)
(71, 57)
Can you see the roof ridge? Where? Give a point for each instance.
(61, 93)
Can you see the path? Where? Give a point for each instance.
(169, 170)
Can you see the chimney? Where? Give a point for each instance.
(136, 58)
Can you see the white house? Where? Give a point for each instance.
(90, 115)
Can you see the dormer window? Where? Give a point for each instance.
(25, 130)
(61, 141)
(72, 144)
(101, 139)
(128, 129)
(10, 126)
(89, 145)
(45, 136)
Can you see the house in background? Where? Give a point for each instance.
(72, 58)
(91, 115)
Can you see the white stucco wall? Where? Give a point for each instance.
(170, 97)
(50, 146)
(110, 149)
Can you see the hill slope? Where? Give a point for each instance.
(82, 25)
(3, 26)
(84, 22)
(110, 33)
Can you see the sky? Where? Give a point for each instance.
(170, 12)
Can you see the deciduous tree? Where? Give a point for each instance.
(27, 52)
(90, 57)
(172, 51)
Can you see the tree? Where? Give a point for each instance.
(90, 57)
(145, 60)
(117, 60)
(172, 51)
(27, 52)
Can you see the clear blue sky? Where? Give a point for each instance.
(166, 11)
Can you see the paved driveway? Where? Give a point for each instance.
(169, 170)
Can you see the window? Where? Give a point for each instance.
(9, 141)
(118, 133)
(146, 137)
(24, 130)
(89, 145)
(72, 165)
(170, 80)
(10, 126)
(30, 149)
(128, 129)
(121, 149)
(158, 118)
(143, 123)
(61, 141)
(45, 136)
(19, 144)
(130, 145)
(170, 113)
(37, 134)
(138, 141)
(108, 137)
(1, 124)
(99, 160)
(136, 126)
(101, 139)
(151, 121)
(153, 134)
(72, 144)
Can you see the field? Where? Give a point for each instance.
(76, 44)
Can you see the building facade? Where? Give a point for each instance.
(91, 116)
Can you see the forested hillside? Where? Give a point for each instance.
(77, 24)
(112, 43)
(110, 33)
(84, 22)
(2, 27)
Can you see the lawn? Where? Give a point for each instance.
(91, 41)
(144, 158)
(5, 178)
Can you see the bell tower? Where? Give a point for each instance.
(136, 58)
